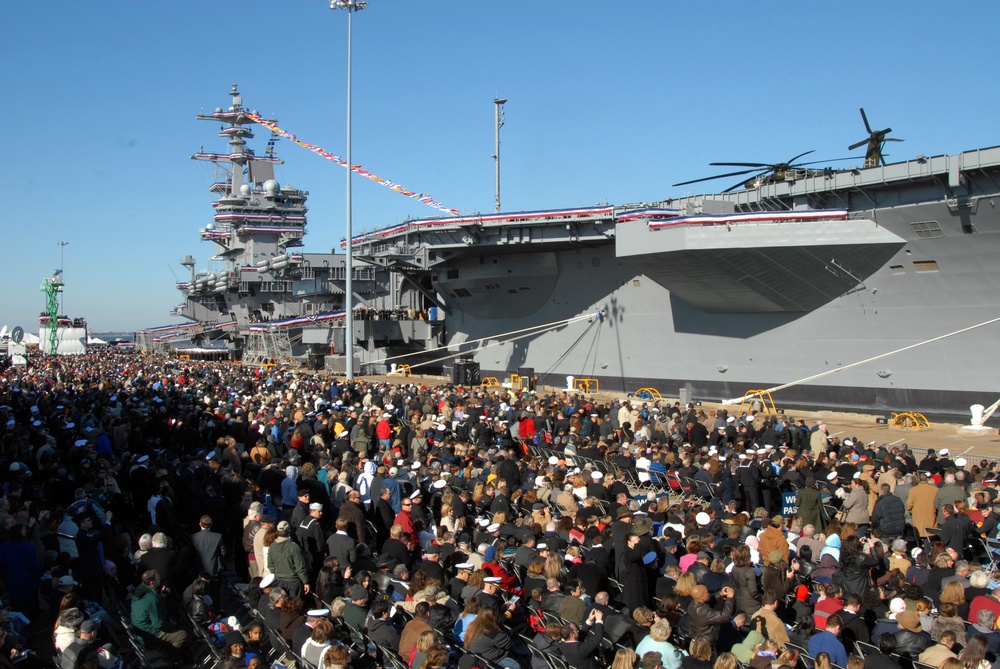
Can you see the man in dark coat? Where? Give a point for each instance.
(384, 516)
(704, 619)
(208, 544)
(581, 655)
(340, 545)
(889, 514)
(810, 505)
(90, 568)
(355, 516)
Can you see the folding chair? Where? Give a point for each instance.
(992, 547)
(866, 648)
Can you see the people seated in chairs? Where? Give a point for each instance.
(911, 639)
(381, 631)
(413, 629)
(149, 613)
(578, 644)
(935, 655)
(827, 641)
(670, 657)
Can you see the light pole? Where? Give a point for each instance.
(62, 246)
(498, 122)
(351, 6)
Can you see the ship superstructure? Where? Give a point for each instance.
(272, 301)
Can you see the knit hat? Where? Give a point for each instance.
(896, 606)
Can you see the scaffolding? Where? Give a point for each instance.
(268, 347)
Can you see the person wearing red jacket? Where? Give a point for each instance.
(508, 582)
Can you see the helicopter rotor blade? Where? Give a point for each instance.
(742, 164)
(797, 157)
(831, 160)
(893, 139)
(861, 143)
(717, 176)
(864, 117)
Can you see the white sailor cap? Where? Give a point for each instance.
(80, 442)
(484, 522)
(493, 527)
(266, 581)
(943, 451)
(961, 462)
(831, 476)
(440, 483)
(731, 419)
(465, 565)
(848, 442)
(703, 519)
(856, 475)
(553, 460)
(597, 476)
(415, 465)
(492, 579)
(315, 506)
(742, 456)
(318, 613)
(416, 493)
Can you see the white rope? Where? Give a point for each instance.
(540, 328)
(864, 362)
(527, 332)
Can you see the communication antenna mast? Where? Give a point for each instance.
(62, 246)
(498, 122)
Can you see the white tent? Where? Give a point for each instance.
(96, 341)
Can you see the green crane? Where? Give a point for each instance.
(52, 287)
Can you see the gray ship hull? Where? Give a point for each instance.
(942, 276)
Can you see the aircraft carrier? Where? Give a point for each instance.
(801, 273)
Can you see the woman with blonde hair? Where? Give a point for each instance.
(625, 658)
(685, 583)
(553, 566)
(727, 661)
(700, 654)
(418, 655)
(954, 593)
(823, 661)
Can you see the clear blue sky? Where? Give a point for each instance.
(607, 101)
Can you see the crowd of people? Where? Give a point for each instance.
(399, 524)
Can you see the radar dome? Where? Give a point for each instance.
(218, 110)
(210, 226)
(271, 187)
(245, 190)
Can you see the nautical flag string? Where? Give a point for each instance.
(423, 198)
